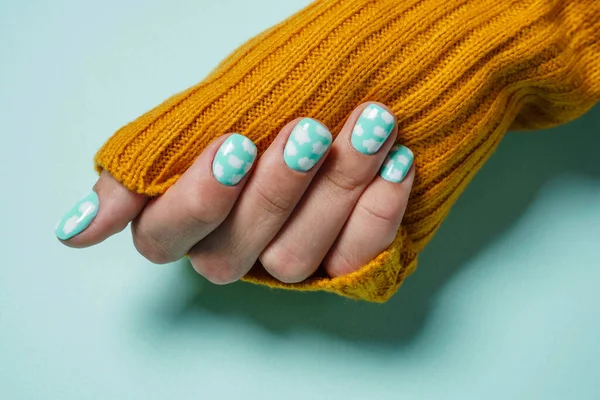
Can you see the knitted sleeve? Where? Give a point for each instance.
(458, 74)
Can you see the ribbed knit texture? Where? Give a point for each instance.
(457, 74)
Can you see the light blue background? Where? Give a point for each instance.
(505, 303)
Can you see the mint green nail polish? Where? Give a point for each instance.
(78, 217)
(397, 164)
(306, 145)
(372, 129)
(234, 159)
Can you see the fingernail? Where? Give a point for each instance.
(306, 145)
(78, 217)
(372, 129)
(397, 164)
(234, 159)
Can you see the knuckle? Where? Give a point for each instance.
(344, 181)
(384, 214)
(217, 270)
(151, 248)
(271, 201)
(199, 213)
(286, 266)
(338, 264)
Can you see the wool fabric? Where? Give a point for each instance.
(458, 74)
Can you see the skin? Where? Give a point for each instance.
(338, 215)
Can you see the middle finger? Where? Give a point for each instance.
(354, 160)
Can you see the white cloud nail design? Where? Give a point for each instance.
(395, 174)
(402, 159)
(86, 208)
(379, 131)
(78, 218)
(235, 179)
(301, 134)
(371, 113)
(389, 163)
(229, 147)
(371, 145)
(319, 148)
(387, 117)
(249, 147)
(70, 224)
(358, 130)
(306, 163)
(321, 131)
(291, 149)
(397, 164)
(218, 170)
(234, 161)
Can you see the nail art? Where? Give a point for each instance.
(78, 217)
(234, 159)
(372, 129)
(397, 164)
(306, 145)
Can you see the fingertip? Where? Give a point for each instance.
(371, 129)
(106, 210)
(398, 165)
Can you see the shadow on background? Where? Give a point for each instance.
(499, 194)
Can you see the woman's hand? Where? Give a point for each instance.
(306, 202)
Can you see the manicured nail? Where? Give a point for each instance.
(306, 145)
(372, 129)
(78, 217)
(397, 164)
(234, 159)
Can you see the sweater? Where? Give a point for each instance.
(457, 74)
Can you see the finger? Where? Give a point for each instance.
(197, 203)
(355, 157)
(375, 220)
(278, 182)
(105, 211)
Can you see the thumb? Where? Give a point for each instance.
(105, 211)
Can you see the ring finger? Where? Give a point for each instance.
(353, 162)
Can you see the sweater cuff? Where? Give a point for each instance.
(376, 282)
(457, 74)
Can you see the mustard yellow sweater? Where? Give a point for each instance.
(458, 74)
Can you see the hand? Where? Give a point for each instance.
(307, 202)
